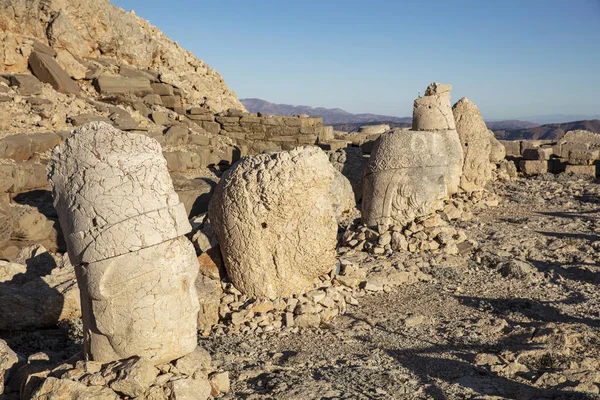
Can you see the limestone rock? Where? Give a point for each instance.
(476, 144)
(8, 359)
(409, 174)
(28, 85)
(278, 205)
(55, 389)
(47, 70)
(124, 228)
(134, 376)
(199, 359)
(74, 68)
(190, 389)
(113, 193)
(342, 195)
(121, 85)
(433, 111)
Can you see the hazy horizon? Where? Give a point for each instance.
(513, 59)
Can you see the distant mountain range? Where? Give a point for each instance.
(527, 128)
(548, 131)
(331, 116)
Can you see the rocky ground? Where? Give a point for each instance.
(516, 317)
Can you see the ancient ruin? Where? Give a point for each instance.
(124, 228)
(159, 242)
(410, 172)
(278, 205)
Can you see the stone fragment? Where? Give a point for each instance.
(433, 111)
(190, 389)
(171, 101)
(160, 118)
(47, 70)
(585, 170)
(583, 157)
(533, 167)
(131, 72)
(539, 153)
(209, 296)
(342, 195)
(278, 205)
(83, 119)
(477, 147)
(199, 359)
(54, 388)
(107, 85)
(124, 228)
(27, 85)
(8, 359)
(134, 376)
(162, 89)
(42, 48)
(219, 383)
(72, 67)
(409, 174)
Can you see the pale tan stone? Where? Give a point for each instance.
(279, 206)
(433, 111)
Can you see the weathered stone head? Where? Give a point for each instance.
(275, 222)
(124, 227)
(409, 174)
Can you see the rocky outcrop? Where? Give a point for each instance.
(279, 206)
(124, 228)
(97, 32)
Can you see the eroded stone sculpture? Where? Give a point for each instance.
(411, 172)
(480, 148)
(124, 227)
(273, 217)
(434, 110)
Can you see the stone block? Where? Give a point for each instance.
(585, 170)
(334, 144)
(538, 153)
(533, 167)
(42, 48)
(227, 120)
(583, 157)
(272, 120)
(152, 99)
(200, 111)
(108, 85)
(160, 118)
(83, 119)
(211, 127)
(132, 72)
(566, 148)
(201, 117)
(47, 70)
(41, 142)
(171, 101)
(307, 139)
(27, 85)
(250, 119)
(326, 134)
(198, 139)
(16, 147)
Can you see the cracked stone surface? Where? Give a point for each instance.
(434, 110)
(124, 227)
(275, 223)
(409, 174)
(113, 193)
(478, 144)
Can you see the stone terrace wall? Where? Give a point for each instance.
(578, 152)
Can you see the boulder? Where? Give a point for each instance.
(124, 228)
(197, 388)
(279, 206)
(476, 144)
(433, 111)
(47, 70)
(342, 195)
(133, 376)
(107, 85)
(409, 174)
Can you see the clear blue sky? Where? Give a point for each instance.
(513, 58)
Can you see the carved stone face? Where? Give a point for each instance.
(400, 195)
(144, 301)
